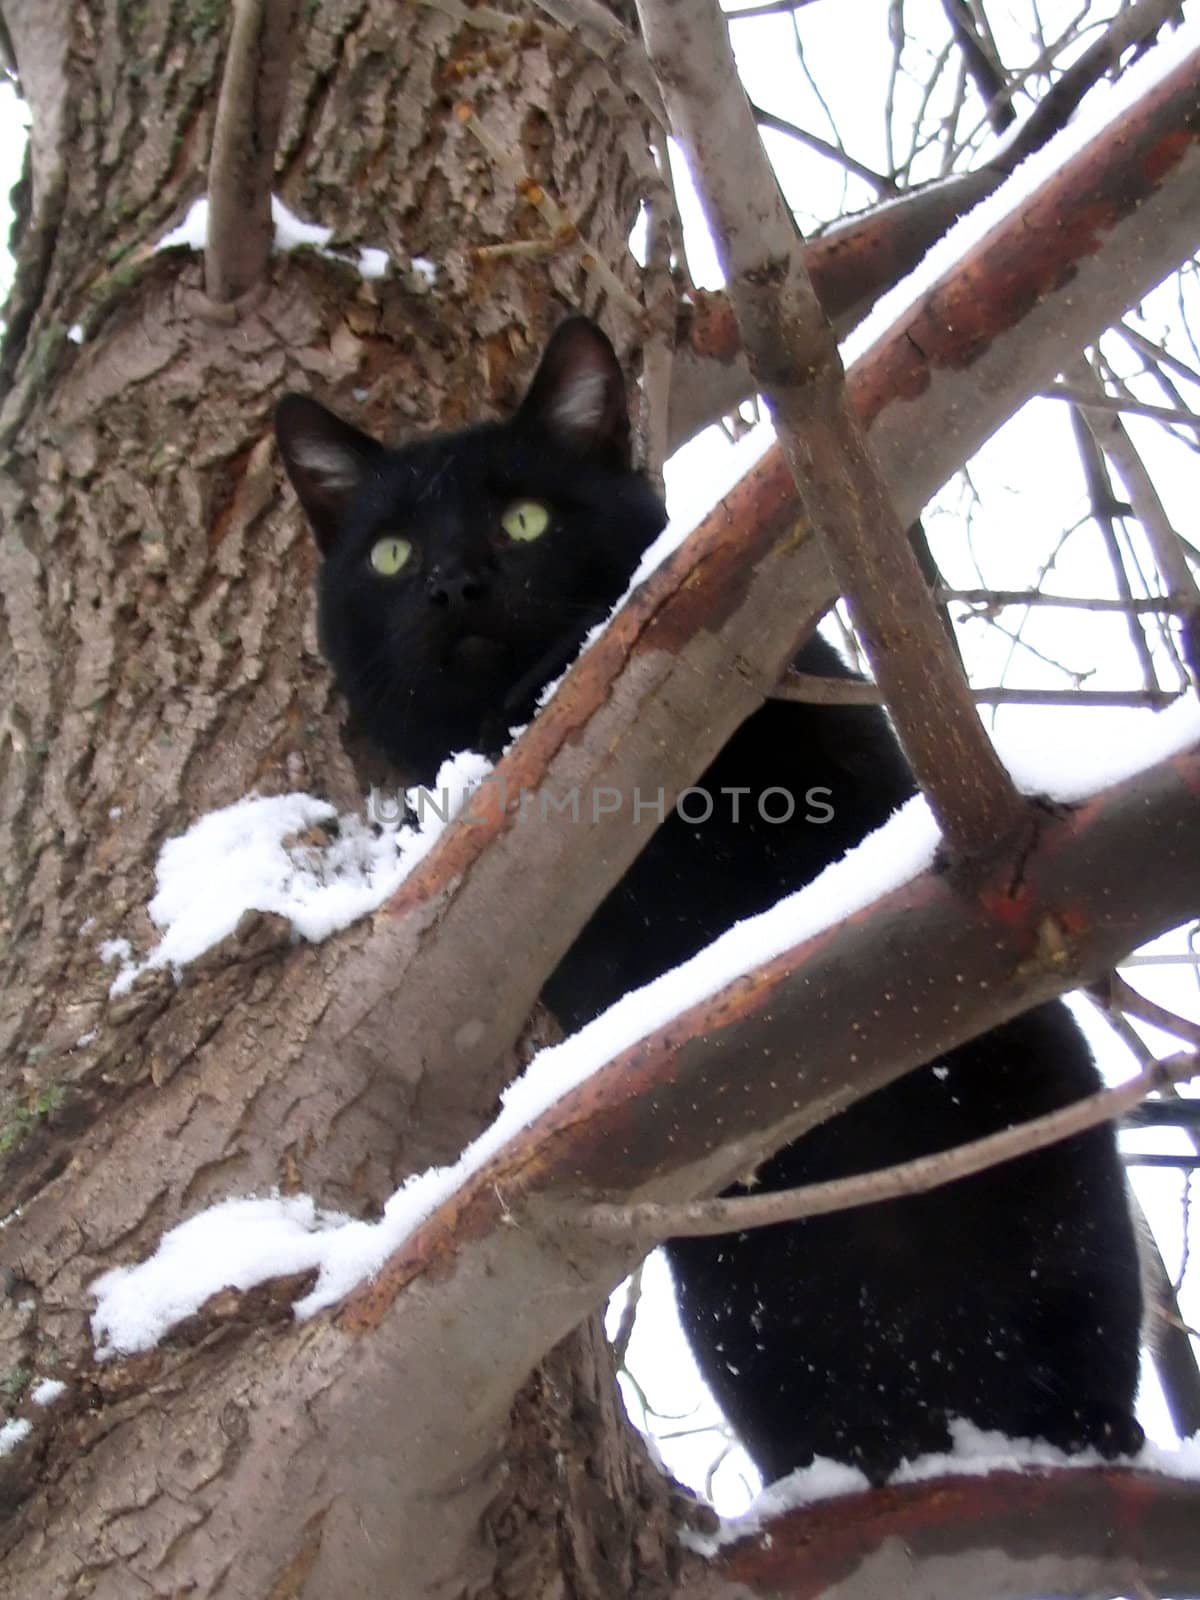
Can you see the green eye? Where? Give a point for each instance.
(390, 556)
(525, 520)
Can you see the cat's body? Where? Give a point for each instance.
(1011, 1298)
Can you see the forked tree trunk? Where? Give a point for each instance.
(159, 660)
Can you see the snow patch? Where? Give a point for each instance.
(11, 1434)
(248, 857)
(47, 1391)
(290, 233)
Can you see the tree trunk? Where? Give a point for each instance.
(159, 652)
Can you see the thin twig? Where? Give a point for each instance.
(1132, 26)
(794, 358)
(249, 111)
(629, 1311)
(1118, 403)
(704, 1218)
(1135, 1004)
(876, 180)
(1105, 508)
(999, 599)
(810, 689)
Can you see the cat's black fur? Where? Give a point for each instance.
(1011, 1298)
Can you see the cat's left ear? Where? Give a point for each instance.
(578, 393)
(326, 459)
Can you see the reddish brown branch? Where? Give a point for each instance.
(1005, 1536)
(856, 260)
(706, 1218)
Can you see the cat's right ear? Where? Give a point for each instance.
(326, 459)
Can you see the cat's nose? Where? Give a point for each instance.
(455, 588)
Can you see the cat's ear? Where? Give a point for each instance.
(326, 459)
(578, 393)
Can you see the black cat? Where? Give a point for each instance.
(461, 573)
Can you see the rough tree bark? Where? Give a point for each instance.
(157, 631)
(156, 639)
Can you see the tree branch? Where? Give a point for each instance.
(453, 972)
(794, 358)
(1005, 1536)
(509, 1249)
(810, 689)
(706, 1218)
(249, 111)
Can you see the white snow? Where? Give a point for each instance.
(114, 950)
(291, 233)
(75, 333)
(974, 1452)
(47, 1391)
(11, 1434)
(373, 263)
(191, 233)
(237, 1243)
(246, 857)
(1103, 105)
(426, 270)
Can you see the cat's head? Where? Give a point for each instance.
(460, 572)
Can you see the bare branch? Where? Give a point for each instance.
(997, 599)
(705, 1218)
(1066, 264)
(1132, 26)
(794, 358)
(1177, 577)
(249, 111)
(812, 690)
(1099, 401)
(852, 263)
(989, 77)
(876, 180)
